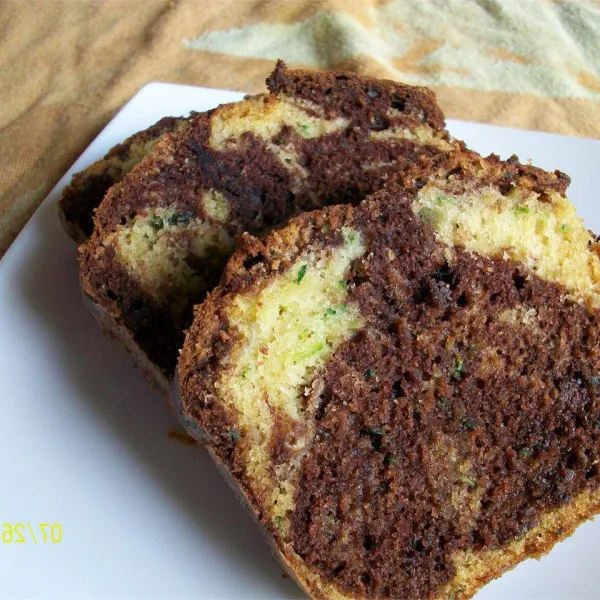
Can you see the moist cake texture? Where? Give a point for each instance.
(162, 236)
(406, 392)
(87, 188)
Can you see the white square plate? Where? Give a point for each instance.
(84, 440)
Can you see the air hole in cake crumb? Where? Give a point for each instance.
(462, 300)
(368, 542)
(572, 460)
(409, 377)
(365, 578)
(391, 302)
(322, 405)
(338, 570)
(376, 441)
(447, 275)
(544, 197)
(341, 77)
(478, 539)
(398, 104)
(592, 472)
(519, 281)
(454, 171)
(123, 220)
(486, 504)
(480, 383)
(561, 433)
(305, 161)
(359, 279)
(420, 294)
(397, 390)
(252, 261)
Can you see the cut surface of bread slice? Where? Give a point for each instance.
(162, 236)
(407, 392)
(87, 188)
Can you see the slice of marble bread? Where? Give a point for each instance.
(162, 236)
(87, 188)
(406, 392)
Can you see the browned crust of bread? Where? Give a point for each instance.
(560, 523)
(87, 188)
(294, 568)
(195, 399)
(367, 95)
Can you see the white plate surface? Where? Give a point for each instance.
(84, 443)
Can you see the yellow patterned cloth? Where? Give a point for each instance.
(67, 67)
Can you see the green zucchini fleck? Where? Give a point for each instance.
(372, 431)
(156, 223)
(467, 480)
(467, 424)
(524, 452)
(458, 367)
(301, 273)
(179, 219)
